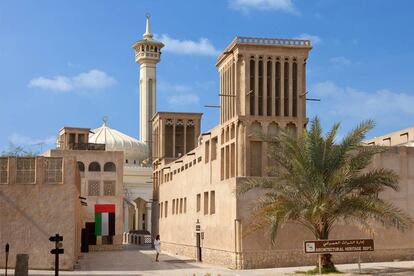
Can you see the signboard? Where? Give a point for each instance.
(338, 246)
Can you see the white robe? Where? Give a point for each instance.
(157, 245)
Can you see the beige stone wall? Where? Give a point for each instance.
(199, 178)
(31, 213)
(390, 244)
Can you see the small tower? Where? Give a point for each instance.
(147, 55)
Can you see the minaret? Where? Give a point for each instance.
(147, 54)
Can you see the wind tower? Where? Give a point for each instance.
(147, 55)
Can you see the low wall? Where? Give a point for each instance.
(285, 258)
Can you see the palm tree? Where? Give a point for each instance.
(318, 183)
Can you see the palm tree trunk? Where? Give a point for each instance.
(326, 259)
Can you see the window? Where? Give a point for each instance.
(53, 170)
(81, 138)
(252, 87)
(4, 169)
(207, 151)
(295, 90)
(260, 85)
(25, 172)
(81, 166)
(222, 164)
(169, 130)
(278, 89)
(286, 89)
(109, 188)
(256, 158)
(72, 137)
(173, 206)
(176, 206)
(205, 203)
(404, 137)
(269, 88)
(161, 209)
(387, 141)
(94, 167)
(212, 202)
(166, 209)
(94, 188)
(214, 148)
(198, 202)
(181, 205)
(232, 159)
(185, 205)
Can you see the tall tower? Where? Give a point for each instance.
(147, 55)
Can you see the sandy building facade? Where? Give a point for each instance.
(196, 209)
(39, 197)
(101, 184)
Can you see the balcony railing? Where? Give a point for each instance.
(86, 146)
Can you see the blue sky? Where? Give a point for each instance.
(69, 63)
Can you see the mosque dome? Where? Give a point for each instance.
(134, 150)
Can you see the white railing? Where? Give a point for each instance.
(273, 41)
(130, 238)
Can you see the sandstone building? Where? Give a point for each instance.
(101, 184)
(39, 197)
(198, 214)
(137, 184)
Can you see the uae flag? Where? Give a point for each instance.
(104, 219)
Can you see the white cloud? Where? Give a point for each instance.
(58, 83)
(178, 94)
(184, 99)
(350, 106)
(170, 87)
(340, 61)
(277, 5)
(20, 140)
(203, 47)
(313, 38)
(94, 79)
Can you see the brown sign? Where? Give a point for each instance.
(332, 246)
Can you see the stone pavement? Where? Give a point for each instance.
(134, 260)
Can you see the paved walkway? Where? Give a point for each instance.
(139, 261)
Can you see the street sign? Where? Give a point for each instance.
(338, 246)
(56, 238)
(59, 251)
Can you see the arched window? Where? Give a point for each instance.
(109, 167)
(81, 166)
(273, 129)
(94, 167)
(291, 128)
(255, 130)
